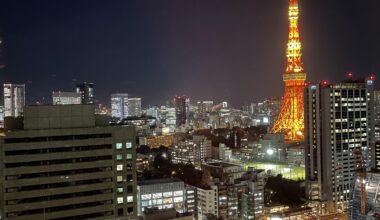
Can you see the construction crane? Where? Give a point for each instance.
(362, 175)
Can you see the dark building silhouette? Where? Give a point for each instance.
(180, 109)
(87, 92)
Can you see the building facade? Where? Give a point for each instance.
(62, 164)
(252, 199)
(161, 193)
(207, 201)
(180, 105)
(86, 90)
(193, 151)
(338, 121)
(14, 100)
(119, 105)
(66, 98)
(134, 107)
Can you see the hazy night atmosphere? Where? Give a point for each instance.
(190, 110)
(155, 49)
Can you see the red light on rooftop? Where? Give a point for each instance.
(324, 82)
(350, 75)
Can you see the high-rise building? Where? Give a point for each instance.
(62, 163)
(119, 105)
(290, 120)
(66, 98)
(134, 107)
(180, 109)
(376, 112)
(338, 121)
(86, 90)
(14, 100)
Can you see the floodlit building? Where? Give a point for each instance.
(119, 105)
(63, 163)
(14, 100)
(338, 121)
(66, 98)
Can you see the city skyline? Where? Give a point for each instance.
(174, 48)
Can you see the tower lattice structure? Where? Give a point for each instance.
(290, 120)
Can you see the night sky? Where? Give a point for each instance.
(231, 50)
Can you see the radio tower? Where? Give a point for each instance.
(290, 120)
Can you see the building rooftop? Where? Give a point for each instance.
(221, 164)
(158, 181)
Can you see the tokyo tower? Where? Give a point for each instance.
(290, 120)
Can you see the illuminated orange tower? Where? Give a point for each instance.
(290, 120)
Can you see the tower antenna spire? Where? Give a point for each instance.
(290, 120)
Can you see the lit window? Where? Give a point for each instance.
(129, 156)
(119, 146)
(119, 157)
(120, 200)
(128, 145)
(119, 178)
(120, 189)
(129, 199)
(119, 167)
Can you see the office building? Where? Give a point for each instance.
(338, 122)
(165, 214)
(119, 105)
(181, 108)
(225, 172)
(168, 117)
(250, 151)
(86, 91)
(63, 163)
(295, 154)
(225, 153)
(190, 202)
(193, 151)
(134, 107)
(66, 98)
(14, 100)
(161, 193)
(252, 199)
(207, 201)
(376, 114)
(153, 111)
